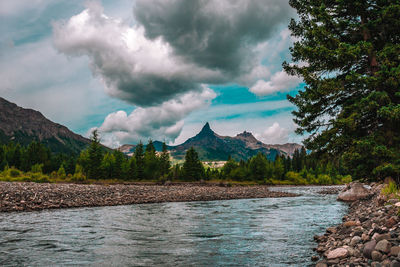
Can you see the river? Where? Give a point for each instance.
(243, 232)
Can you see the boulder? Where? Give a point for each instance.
(356, 191)
(394, 251)
(337, 253)
(383, 246)
(376, 255)
(368, 248)
(355, 240)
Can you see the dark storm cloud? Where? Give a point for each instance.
(217, 34)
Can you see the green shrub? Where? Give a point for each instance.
(324, 179)
(346, 179)
(37, 168)
(14, 172)
(295, 178)
(61, 172)
(390, 188)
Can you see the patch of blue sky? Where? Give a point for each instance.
(34, 25)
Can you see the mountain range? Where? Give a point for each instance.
(26, 125)
(23, 126)
(214, 147)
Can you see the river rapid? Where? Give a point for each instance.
(242, 232)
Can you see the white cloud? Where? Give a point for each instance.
(275, 134)
(162, 122)
(279, 82)
(138, 70)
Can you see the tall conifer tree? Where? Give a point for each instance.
(347, 53)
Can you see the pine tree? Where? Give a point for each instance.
(192, 167)
(165, 163)
(258, 167)
(118, 166)
(347, 53)
(151, 162)
(95, 154)
(139, 157)
(132, 171)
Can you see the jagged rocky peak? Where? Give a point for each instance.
(247, 136)
(206, 130)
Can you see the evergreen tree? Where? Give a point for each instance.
(118, 165)
(258, 167)
(132, 171)
(165, 163)
(347, 54)
(228, 167)
(278, 168)
(95, 154)
(192, 167)
(139, 158)
(151, 162)
(108, 166)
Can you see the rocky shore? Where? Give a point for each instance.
(35, 196)
(369, 234)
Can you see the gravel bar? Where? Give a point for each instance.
(15, 196)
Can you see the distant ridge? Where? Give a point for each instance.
(26, 125)
(213, 147)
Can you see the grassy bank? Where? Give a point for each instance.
(15, 175)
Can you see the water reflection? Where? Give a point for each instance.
(251, 232)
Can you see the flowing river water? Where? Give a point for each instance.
(242, 232)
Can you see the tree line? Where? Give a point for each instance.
(146, 164)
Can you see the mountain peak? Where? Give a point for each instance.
(247, 136)
(206, 127)
(206, 131)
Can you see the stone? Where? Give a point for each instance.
(321, 264)
(337, 253)
(376, 255)
(376, 264)
(397, 204)
(331, 230)
(395, 264)
(390, 222)
(380, 237)
(351, 223)
(314, 258)
(368, 248)
(383, 246)
(364, 237)
(356, 192)
(355, 240)
(395, 250)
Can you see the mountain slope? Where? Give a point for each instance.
(25, 125)
(213, 147)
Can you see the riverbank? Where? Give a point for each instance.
(368, 236)
(17, 196)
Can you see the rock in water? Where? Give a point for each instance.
(356, 192)
(337, 253)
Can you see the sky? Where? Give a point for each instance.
(159, 69)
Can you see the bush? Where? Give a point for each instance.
(346, 179)
(14, 172)
(37, 168)
(324, 179)
(295, 178)
(390, 188)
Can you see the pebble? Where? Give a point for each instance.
(369, 234)
(383, 246)
(15, 196)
